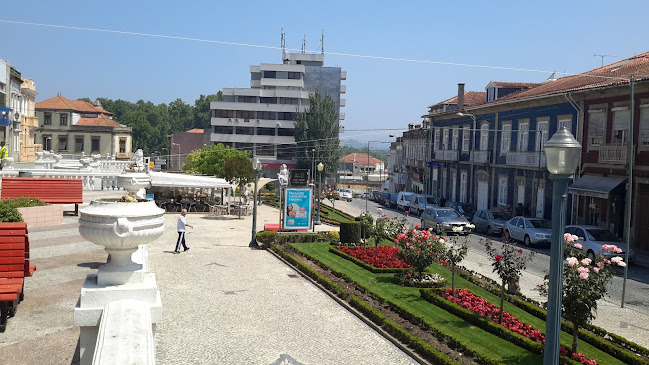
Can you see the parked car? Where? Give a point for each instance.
(345, 194)
(380, 197)
(374, 194)
(365, 195)
(403, 200)
(492, 222)
(444, 220)
(419, 202)
(465, 209)
(391, 200)
(592, 238)
(532, 231)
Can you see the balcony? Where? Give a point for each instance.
(529, 159)
(343, 89)
(481, 156)
(446, 155)
(614, 154)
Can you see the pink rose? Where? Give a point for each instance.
(578, 246)
(583, 275)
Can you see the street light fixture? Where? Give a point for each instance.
(320, 168)
(256, 165)
(562, 154)
(177, 144)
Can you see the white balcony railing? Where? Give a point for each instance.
(446, 155)
(481, 156)
(530, 159)
(616, 154)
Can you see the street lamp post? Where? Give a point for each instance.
(177, 144)
(562, 154)
(313, 167)
(253, 242)
(320, 168)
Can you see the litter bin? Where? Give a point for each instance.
(24, 174)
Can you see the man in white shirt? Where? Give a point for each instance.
(182, 222)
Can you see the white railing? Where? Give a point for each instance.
(113, 165)
(613, 154)
(481, 156)
(446, 155)
(125, 334)
(530, 159)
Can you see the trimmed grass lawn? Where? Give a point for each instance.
(473, 337)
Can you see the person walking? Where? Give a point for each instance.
(3, 154)
(182, 222)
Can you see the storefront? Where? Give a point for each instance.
(601, 201)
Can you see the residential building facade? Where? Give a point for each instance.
(29, 123)
(184, 143)
(260, 119)
(77, 127)
(11, 107)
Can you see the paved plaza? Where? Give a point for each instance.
(223, 303)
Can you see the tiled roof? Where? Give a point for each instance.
(195, 130)
(471, 98)
(513, 84)
(617, 73)
(101, 121)
(361, 159)
(59, 102)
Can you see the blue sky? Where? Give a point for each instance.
(381, 94)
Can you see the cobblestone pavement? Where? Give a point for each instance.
(222, 302)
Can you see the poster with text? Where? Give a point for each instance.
(297, 208)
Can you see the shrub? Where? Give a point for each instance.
(267, 238)
(334, 235)
(300, 238)
(9, 214)
(23, 202)
(350, 232)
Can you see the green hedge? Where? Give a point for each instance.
(350, 232)
(300, 238)
(424, 349)
(9, 208)
(365, 265)
(592, 339)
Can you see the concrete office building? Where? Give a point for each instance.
(260, 119)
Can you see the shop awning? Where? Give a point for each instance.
(595, 186)
(164, 179)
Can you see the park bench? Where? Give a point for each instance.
(49, 190)
(14, 267)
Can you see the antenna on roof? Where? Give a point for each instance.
(283, 41)
(304, 44)
(322, 42)
(602, 56)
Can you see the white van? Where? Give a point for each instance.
(403, 200)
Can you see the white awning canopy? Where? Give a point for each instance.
(164, 179)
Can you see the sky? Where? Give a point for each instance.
(384, 92)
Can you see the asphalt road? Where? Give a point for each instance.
(637, 284)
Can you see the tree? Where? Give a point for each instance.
(317, 128)
(584, 283)
(238, 171)
(202, 110)
(210, 160)
(508, 262)
(452, 254)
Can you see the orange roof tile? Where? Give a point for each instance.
(617, 73)
(195, 130)
(59, 102)
(101, 121)
(471, 98)
(361, 159)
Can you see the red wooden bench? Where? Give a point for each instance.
(14, 267)
(49, 190)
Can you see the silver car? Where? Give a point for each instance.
(492, 222)
(592, 238)
(445, 220)
(532, 231)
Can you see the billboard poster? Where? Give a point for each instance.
(297, 208)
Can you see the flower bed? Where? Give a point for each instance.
(483, 308)
(386, 257)
(415, 280)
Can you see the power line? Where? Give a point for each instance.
(384, 58)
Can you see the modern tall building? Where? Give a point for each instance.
(261, 118)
